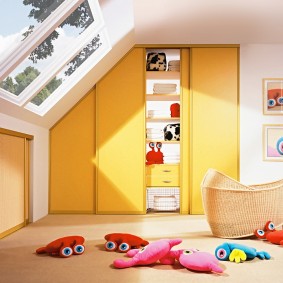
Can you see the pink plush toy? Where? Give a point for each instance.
(196, 260)
(153, 252)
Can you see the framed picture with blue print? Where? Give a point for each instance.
(273, 142)
(272, 96)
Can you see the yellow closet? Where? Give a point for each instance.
(120, 127)
(14, 181)
(214, 116)
(98, 148)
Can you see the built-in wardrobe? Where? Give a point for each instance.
(14, 180)
(99, 151)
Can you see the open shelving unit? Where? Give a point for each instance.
(162, 180)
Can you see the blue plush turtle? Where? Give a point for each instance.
(238, 253)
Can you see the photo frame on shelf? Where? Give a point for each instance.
(273, 142)
(272, 96)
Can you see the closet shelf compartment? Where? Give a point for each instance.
(163, 119)
(162, 75)
(163, 97)
(162, 141)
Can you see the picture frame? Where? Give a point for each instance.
(272, 96)
(273, 142)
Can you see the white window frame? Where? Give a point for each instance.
(40, 33)
(74, 78)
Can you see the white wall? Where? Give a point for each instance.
(39, 163)
(257, 61)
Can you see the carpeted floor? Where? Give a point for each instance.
(19, 263)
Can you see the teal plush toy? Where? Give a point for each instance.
(238, 253)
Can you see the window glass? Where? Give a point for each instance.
(18, 19)
(68, 70)
(51, 48)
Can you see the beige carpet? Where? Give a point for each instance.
(19, 263)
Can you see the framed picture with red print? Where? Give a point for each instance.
(273, 96)
(273, 142)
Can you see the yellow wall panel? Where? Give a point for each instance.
(12, 183)
(214, 132)
(121, 137)
(72, 153)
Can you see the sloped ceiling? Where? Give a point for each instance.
(132, 22)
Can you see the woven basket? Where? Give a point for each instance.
(234, 210)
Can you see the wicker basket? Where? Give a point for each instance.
(234, 210)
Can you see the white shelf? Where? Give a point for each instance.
(163, 141)
(163, 97)
(163, 119)
(162, 75)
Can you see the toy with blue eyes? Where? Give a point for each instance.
(279, 145)
(238, 253)
(64, 247)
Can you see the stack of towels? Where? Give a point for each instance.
(174, 65)
(154, 134)
(158, 113)
(165, 203)
(159, 88)
(171, 158)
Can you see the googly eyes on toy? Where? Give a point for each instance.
(78, 249)
(280, 100)
(151, 144)
(279, 145)
(66, 252)
(110, 246)
(271, 103)
(269, 226)
(187, 252)
(260, 233)
(124, 247)
(159, 145)
(221, 254)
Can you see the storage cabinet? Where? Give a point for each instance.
(124, 104)
(120, 137)
(163, 127)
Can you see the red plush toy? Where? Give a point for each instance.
(123, 242)
(175, 110)
(275, 98)
(154, 157)
(270, 234)
(64, 247)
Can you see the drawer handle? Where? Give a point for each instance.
(167, 181)
(166, 170)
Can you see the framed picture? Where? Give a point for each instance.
(273, 142)
(273, 96)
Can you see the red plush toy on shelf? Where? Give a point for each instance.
(270, 234)
(64, 247)
(154, 157)
(123, 242)
(175, 110)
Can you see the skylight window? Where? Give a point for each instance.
(62, 46)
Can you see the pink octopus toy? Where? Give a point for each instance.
(160, 251)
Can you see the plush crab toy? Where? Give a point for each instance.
(154, 157)
(270, 234)
(64, 247)
(123, 242)
(275, 98)
(238, 253)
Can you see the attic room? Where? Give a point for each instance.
(78, 158)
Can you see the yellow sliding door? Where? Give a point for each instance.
(214, 118)
(72, 153)
(14, 172)
(120, 104)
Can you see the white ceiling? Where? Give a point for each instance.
(169, 22)
(208, 21)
